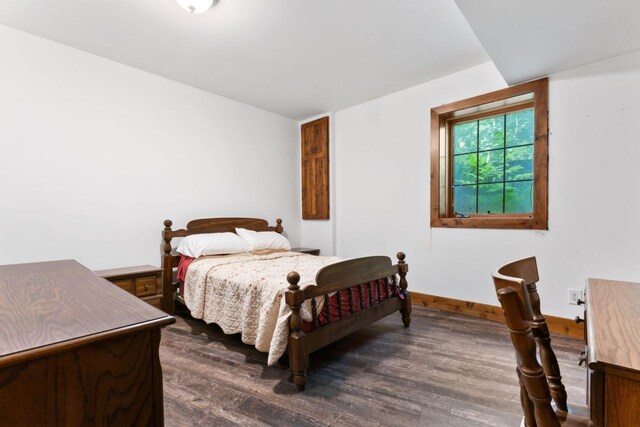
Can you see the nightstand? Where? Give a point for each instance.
(143, 281)
(310, 251)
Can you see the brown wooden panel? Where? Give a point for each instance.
(126, 272)
(332, 332)
(106, 383)
(349, 273)
(20, 399)
(315, 169)
(126, 284)
(145, 286)
(622, 401)
(595, 396)
(557, 325)
(613, 308)
(219, 225)
(155, 301)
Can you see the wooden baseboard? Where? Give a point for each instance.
(557, 325)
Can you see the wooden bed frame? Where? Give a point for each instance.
(335, 277)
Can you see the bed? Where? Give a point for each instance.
(314, 309)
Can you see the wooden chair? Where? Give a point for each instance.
(522, 276)
(516, 289)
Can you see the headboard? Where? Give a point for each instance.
(199, 226)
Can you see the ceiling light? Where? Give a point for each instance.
(195, 6)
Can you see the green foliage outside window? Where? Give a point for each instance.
(493, 164)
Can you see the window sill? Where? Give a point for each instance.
(510, 222)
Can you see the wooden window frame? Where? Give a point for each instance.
(440, 120)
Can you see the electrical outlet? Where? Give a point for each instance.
(574, 295)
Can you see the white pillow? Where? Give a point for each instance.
(197, 245)
(264, 239)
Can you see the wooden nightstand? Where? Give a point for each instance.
(143, 281)
(310, 251)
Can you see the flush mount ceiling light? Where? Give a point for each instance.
(195, 6)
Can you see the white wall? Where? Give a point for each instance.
(594, 189)
(91, 148)
(320, 233)
(95, 155)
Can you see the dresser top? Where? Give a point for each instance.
(128, 271)
(613, 324)
(62, 303)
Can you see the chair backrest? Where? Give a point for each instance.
(522, 276)
(536, 399)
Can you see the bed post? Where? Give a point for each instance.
(297, 346)
(405, 309)
(168, 304)
(279, 228)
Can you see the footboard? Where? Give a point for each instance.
(359, 273)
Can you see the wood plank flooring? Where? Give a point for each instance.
(447, 369)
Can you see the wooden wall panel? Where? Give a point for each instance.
(557, 325)
(315, 169)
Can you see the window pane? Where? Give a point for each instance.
(490, 198)
(519, 163)
(464, 199)
(491, 133)
(465, 169)
(518, 197)
(491, 166)
(465, 137)
(520, 128)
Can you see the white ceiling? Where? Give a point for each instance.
(528, 39)
(297, 58)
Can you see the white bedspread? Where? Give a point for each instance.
(244, 294)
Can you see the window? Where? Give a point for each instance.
(489, 160)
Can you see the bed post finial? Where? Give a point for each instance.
(166, 248)
(405, 309)
(297, 348)
(279, 228)
(293, 278)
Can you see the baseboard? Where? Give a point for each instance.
(557, 325)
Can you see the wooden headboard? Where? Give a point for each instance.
(199, 226)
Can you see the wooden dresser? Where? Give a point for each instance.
(612, 313)
(76, 350)
(143, 281)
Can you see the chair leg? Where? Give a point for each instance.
(529, 419)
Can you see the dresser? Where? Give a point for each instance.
(76, 350)
(612, 314)
(143, 281)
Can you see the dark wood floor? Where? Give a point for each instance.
(445, 370)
